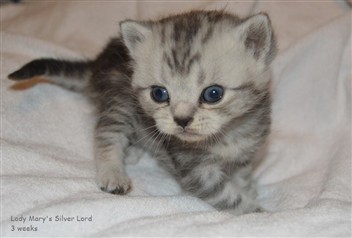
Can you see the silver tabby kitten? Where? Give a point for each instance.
(192, 89)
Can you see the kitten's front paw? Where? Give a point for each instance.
(114, 182)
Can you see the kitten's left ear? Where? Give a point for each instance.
(257, 35)
(134, 33)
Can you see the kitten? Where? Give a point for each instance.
(192, 89)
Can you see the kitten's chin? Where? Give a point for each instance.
(190, 137)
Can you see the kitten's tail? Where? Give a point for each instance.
(72, 75)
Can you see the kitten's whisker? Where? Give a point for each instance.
(149, 135)
(158, 142)
(163, 136)
(147, 128)
(156, 132)
(156, 139)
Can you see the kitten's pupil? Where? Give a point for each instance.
(212, 94)
(159, 94)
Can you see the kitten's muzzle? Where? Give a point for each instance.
(185, 133)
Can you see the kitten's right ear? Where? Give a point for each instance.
(134, 33)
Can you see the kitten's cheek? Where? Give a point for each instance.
(162, 126)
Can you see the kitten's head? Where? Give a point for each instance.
(195, 73)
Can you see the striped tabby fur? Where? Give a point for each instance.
(208, 147)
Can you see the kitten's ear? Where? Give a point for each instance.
(134, 33)
(257, 35)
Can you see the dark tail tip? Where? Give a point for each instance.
(20, 75)
(28, 71)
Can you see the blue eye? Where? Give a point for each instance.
(159, 94)
(212, 94)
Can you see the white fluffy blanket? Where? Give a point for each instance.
(303, 172)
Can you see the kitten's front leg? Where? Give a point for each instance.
(237, 191)
(109, 157)
(226, 186)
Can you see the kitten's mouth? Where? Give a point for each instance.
(190, 136)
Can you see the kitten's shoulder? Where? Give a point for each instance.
(114, 56)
